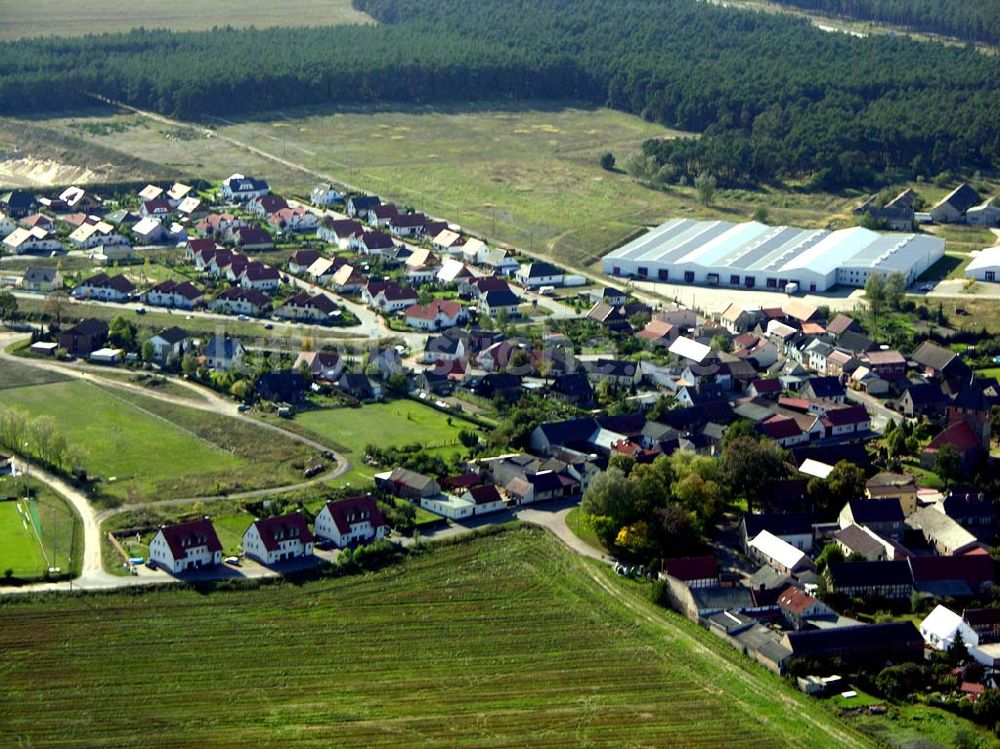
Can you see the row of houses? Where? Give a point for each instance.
(195, 545)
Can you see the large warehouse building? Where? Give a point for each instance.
(755, 256)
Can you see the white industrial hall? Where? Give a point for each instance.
(753, 255)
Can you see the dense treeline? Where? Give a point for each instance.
(773, 96)
(971, 20)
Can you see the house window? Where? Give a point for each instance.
(643, 271)
(734, 280)
(689, 276)
(991, 275)
(749, 282)
(663, 274)
(772, 283)
(616, 271)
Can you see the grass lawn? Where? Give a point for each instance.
(157, 450)
(14, 375)
(71, 19)
(507, 640)
(61, 534)
(574, 521)
(991, 372)
(392, 424)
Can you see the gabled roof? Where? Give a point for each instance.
(190, 535)
(865, 637)
(483, 495)
(274, 530)
(173, 335)
(959, 435)
(850, 415)
(825, 387)
(973, 569)
(931, 355)
(346, 512)
(840, 324)
(962, 198)
(865, 511)
(692, 568)
(795, 600)
(869, 574)
(539, 269)
(376, 240)
(857, 539)
(926, 394)
(779, 523)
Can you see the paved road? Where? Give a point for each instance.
(881, 415)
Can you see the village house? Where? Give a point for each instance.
(278, 539)
(884, 517)
(798, 608)
(694, 572)
(937, 361)
(305, 306)
(183, 295)
(322, 365)
(300, 261)
(859, 541)
(485, 499)
(942, 627)
(339, 231)
(260, 277)
(251, 238)
(186, 547)
(36, 239)
(781, 555)
(171, 343)
(283, 386)
(17, 203)
(347, 522)
(891, 580)
(239, 301)
(923, 399)
(380, 216)
(387, 296)
(437, 315)
(407, 484)
(325, 195)
(537, 274)
(888, 485)
(408, 225)
(84, 337)
(219, 224)
(44, 279)
(347, 280)
(222, 353)
(373, 243)
(105, 288)
(241, 189)
(359, 205)
(794, 528)
(860, 646)
(99, 234)
(293, 219)
(493, 303)
(158, 208)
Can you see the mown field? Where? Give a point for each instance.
(26, 552)
(47, 17)
(508, 640)
(147, 449)
(13, 375)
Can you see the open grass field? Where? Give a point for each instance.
(508, 640)
(46, 17)
(28, 551)
(13, 375)
(526, 175)
(156, 450)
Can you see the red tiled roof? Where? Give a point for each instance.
(767, 386)
(692, 568)
(282, 528)
(850, 415)
(430, 311)
(959, 435)
(779, 427)
(184, 536)
(483, 495)
(795, 600)
(355, 510)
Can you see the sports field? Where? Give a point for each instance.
(37, 535)
(508, 640)
(148, 449)
(48, 17)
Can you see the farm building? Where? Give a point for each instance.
(756, 256)
(985, 266)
